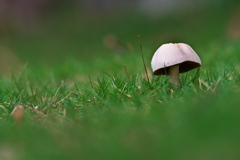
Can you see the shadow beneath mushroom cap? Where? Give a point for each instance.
(183, 67)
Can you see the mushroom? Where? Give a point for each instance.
(174, 58)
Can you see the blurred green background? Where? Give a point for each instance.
(66, 59)
(46, 33)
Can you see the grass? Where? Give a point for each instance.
(77, 109)
(114, 117)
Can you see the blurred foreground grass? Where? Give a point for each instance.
(70, 106)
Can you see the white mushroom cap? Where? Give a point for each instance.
(172, 54)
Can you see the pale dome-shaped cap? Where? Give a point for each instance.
(172, 54)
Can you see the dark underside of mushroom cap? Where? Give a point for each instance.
(183, 67)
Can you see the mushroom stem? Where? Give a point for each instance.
(174, 75)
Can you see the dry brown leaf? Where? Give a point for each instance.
(18, 114)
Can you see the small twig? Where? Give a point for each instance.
(139, 41)
(61, 100)
(122, 91)
(126, 71)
